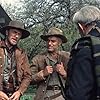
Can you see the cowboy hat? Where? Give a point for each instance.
(17, 25)
(54, 32)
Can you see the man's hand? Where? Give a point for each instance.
(60, 69)
(15, 96)
(48, 70)
(3, 96)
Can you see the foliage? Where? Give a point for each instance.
(40, 15)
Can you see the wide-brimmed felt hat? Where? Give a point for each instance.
(54, 32)
(16, 25)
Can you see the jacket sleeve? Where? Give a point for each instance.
(65, 59)
(81, 81)
(24, 73)
(37, 74)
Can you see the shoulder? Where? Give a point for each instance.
(81, 43)
(82, 46)
(20, 51)
(2, 44)
(64, 53)
(39, 56)
(86, 51)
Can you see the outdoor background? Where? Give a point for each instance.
(39, 16)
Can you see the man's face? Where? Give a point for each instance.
(53, 43)
(13, 36)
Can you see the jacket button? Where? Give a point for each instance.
(45, 81)
(1, 65)
(1, 74)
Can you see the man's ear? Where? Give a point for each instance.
(80, 26)
(6, 32)
(60, 41)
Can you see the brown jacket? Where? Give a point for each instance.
(38, 64)
(23, 70)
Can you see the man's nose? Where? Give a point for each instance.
(49, 42)
(16, 35)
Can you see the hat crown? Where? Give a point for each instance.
(17, 24)
(54, 31)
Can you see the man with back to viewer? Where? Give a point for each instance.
(84, 64)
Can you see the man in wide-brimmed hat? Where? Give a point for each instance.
(49, 68)
(15, 75)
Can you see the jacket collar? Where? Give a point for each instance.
(3, 45)
(94, 32)
(51, 58)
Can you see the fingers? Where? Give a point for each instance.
(48, 70)
(60, 69)
(3, 96)
(15, 96)
(11, 98)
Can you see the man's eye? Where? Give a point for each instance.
(53, 41)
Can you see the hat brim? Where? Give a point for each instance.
(62, 37)
(25, 33)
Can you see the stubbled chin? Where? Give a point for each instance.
(13, 42)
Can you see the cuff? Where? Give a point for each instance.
(41, 74)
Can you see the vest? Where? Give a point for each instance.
(95, 41)
(9, 73)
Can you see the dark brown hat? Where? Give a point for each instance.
(54, 32)
(17, 25)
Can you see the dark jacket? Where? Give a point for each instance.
(23, 70)
(81, 76)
